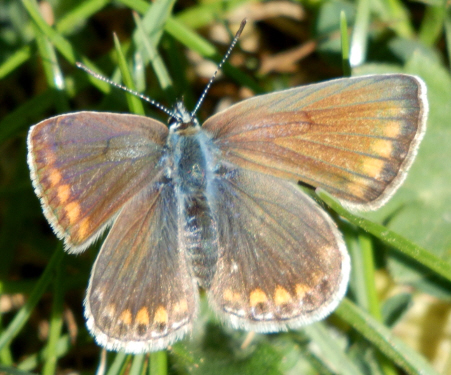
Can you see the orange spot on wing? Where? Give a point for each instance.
(63, 193)
(181, 306)
(302, 290)
(126, 317)
(143, 316)
(83, 229)
(72, 211)
(55, 178)
(230, 296)
(373, 167)
(161, 315)
(392, 129)
(382, 147)
(281, 296)
(257, 296)
(358, 189)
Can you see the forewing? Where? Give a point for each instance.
(86, 165)
(283, 263)
(141, 295)
(354, 137)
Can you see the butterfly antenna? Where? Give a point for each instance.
(124, 88)
(226, 56)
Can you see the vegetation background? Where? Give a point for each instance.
(396, 317)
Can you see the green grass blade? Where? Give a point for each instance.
(360, 34)
(153, 57)
(24, 313)
(56, 322)
(391, 238)
(80, 13)
(137, 364)
(158, 363)
(193, 41)
(120, 362)
(344, 45)
(432, 25)
(448, 34)
(382, 338)
(14, 61)
(134, 103)
(333, 356)
(61, 44)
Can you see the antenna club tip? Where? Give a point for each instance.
(81, 66)
(240, 30)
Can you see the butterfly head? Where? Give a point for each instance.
(181, 119)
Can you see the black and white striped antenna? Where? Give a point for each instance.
(161, 107)
(126, 89)
(226, 56)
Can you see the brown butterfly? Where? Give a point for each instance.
(218, 205)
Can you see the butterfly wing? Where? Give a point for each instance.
(142, 295)
(354, 137)
(86, 165)
(283, 262)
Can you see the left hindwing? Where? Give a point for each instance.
(142, 296)
(282, 260)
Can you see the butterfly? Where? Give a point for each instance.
(218, 205)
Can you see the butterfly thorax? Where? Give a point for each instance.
(191, 167)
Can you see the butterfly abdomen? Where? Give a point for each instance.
(201, 238)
